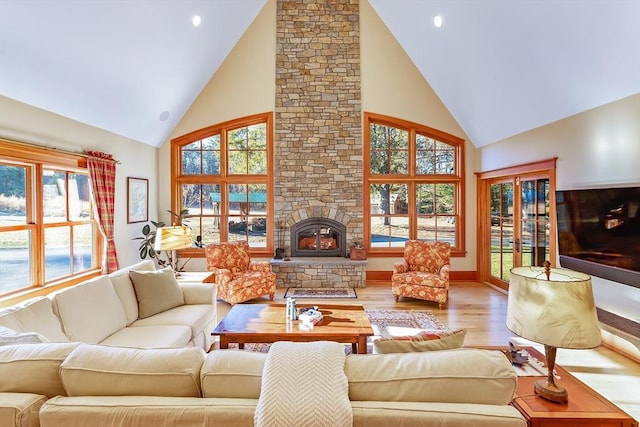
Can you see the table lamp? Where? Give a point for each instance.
(171, 239)
(554, 307)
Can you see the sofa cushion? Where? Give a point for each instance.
(456, 376)
(147, 411)
(33, 368)
(99, 370)
(422, 341)
(124, 288)
(198, 317)
(156, 291)
(34, 315)
(150, 337)
(435, 414)
(11, 337)
(20, 409)
(90, 311)
(232, 374)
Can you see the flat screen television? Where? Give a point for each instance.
(599, 232)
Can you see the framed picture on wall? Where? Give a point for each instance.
(137, 200)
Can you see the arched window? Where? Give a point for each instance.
(222, 175)
(414, 185)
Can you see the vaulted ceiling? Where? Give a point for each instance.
(133, 67)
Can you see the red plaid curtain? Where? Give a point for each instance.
(102, 172)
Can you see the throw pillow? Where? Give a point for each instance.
(11, 337)
(423, 341)
(156, 291)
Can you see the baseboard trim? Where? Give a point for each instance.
(379, 276)
(620, 323)
(620, 334)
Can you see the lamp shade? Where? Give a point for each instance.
(172, 238)
(558, 312)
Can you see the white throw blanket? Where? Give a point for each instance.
(304, 384)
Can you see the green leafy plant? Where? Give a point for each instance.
(148, 238)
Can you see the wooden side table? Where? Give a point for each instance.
(193, 276)
(585, 407)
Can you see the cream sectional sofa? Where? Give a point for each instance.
(107, 310)
(72, 384)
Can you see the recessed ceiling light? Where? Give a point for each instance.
(196, 20)
(164, 116)
(437, 21)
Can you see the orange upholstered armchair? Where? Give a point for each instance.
(238, 278)
(423, 273)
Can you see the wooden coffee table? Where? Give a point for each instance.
(267, 323)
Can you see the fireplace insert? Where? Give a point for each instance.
(318, 237)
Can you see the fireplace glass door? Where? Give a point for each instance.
(317, 237)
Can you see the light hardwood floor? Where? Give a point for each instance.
(482, 311)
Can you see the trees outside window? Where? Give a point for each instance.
(222, 175)
(47, 230)
(414, 184)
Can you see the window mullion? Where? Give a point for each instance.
(224, 155)
(413, 217)
(224, 210)
(413, 152)
(37, 239)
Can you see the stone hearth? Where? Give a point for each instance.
(319, 272)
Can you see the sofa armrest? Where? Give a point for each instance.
(197, 293)
(263, 266)
(20, 409)
(400, 267)
(221, 276)
(444, 272)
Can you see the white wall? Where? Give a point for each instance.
(600, 147)
(24, 123)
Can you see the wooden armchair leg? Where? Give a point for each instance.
(396, 297)
(271, 296)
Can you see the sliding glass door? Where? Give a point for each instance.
(502, 238)
(515, 224)
(534, 224)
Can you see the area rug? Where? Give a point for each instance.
(320, 293)
(385, 323)
(393, 323)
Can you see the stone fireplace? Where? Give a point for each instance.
(318, 133)
(318, 270)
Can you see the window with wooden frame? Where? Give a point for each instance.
(222, 175)
(414, 185)
(47, 230)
